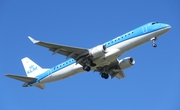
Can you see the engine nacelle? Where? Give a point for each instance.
(97, 51)
(126, 62)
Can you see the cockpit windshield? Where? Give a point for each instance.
(154, 23)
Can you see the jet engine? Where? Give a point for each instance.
(126, 62)
(97, 51)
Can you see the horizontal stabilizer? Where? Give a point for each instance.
(21, 78)
(41, 86)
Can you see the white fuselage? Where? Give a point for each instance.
(112, 54)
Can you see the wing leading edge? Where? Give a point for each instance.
(68, 51)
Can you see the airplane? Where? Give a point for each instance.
(102, 58)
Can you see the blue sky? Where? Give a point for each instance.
(151, 84)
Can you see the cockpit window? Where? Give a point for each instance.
(154, 23)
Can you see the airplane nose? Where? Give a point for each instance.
(167, 26)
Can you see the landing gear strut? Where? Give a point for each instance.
(92, 63)
(153, 41)
(104, 75)
(88, 64)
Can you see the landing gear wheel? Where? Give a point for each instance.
(104, 75)
(154, 45)
(86, 68)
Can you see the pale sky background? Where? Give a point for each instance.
(153, 83)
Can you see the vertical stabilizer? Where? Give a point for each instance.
(31, 68)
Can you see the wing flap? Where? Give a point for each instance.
(120, 75)
(21, 78)
(113, 70)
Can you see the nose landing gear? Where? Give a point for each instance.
(153, 41)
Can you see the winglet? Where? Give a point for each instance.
(33, 40)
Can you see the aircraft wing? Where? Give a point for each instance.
(113, 70)
(68, 51)
(119, 75)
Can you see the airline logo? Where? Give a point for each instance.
(32, 68)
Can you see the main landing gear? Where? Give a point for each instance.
(104, 75)
(87, 68)
(153, 41)
(88, 62)
(103, 72)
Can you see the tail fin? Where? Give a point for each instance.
(31, 68)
